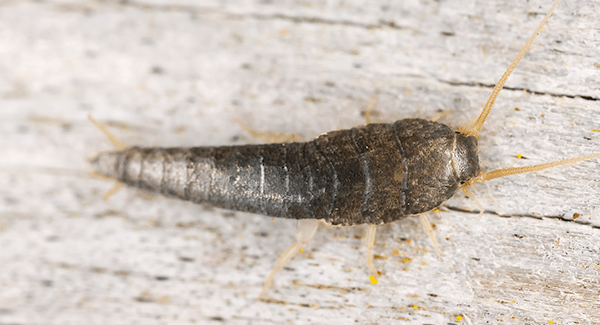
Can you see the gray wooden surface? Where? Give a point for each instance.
(178, 73)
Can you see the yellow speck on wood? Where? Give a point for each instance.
(301, 249)
(595, 130)
(519, 156)
(373, 280)
(416, 307)
(424, 263)
(406, 260)
(395, 252)
(458, 318)
(550, 322)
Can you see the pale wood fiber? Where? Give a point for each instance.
(179, 73)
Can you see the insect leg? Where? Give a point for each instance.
(368, 110)
(370, 241)
(112, 191)
(428, 229)
(465, 188)
(440, 115)
(271, 137)
(306, 231)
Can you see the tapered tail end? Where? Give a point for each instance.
(106, 164)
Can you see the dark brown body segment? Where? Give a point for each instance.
(372, 174)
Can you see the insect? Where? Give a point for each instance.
(374, 174)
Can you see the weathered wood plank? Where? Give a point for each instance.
(168, 74)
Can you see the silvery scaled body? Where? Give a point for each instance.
(374, 174)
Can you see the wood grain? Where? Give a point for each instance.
(165, 73)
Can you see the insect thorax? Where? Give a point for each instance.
(465, 157)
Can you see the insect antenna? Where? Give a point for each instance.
(476, 127)
(484, 177)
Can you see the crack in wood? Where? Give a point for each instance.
(522, 215)
(535, 92)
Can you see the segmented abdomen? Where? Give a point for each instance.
(374, 174)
